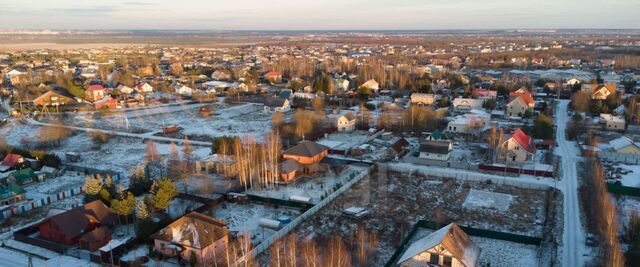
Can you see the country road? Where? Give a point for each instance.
(573, 237)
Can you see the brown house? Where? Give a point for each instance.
(53, 98)
(308, 154)
(194, 234)
(72, 226)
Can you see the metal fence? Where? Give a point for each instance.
(36, 203)
(632, 159)
(355, 177)
(473, 177)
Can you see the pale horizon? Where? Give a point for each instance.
(287, 15)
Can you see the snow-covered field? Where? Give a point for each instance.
(478, 199)
(66, 181)
(238, 120)
(633, 177)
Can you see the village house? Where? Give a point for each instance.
(436, 150)
(193, 235)
(124, 90)
(341, 85)
(308, 154)
(601, 92)
(95, 92)
(276, 104)
(12, 194)
(470, 123)
(449, 246)
(517, 148)
(485, 94)
(144, 88)
(466, 104)
(72, 226)
(612, 123)
(273, 77)
(520, 102)
(372, 85)
(53, 98)
(346, 122)
(624, 145)
(422, 99)
(11, 162)
(183, 90)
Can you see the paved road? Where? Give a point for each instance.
(573, 236)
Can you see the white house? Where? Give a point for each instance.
(276, 104)
(449, 246)
(123, 89)
(466, 104)
(436, 150)
(470, 123)
(371, 84)
(183, 90)
(341, 84)
(144, 88)
(346, 122)
(611, 122)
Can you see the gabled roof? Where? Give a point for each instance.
(622, 142)
(274, 102)
(438, 147)
(523, 140)
(193, 230)
(306, 149)
(349, 116)
(11, 160)
(74, 222)
(523, 95)
(289, 165)
(453, 239)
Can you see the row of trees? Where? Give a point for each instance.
(353, 250)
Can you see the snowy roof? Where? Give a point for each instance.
(453, 239)
(622, 142)
(194, 230)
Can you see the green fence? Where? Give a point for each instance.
(623, 190)
(523, 239)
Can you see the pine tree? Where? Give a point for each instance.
(92, 186)
(125, 206)
(164, 192)
(142, 212)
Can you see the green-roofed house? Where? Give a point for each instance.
(437, 135)
(22, 177)
(11, 194)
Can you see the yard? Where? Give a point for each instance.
(397, 201)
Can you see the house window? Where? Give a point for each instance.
(434, 259)
(517, 148)
(447, 261)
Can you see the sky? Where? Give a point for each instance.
(319, 14)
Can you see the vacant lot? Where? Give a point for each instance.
(396, 201)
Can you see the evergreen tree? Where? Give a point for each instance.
(164, 191)
(124, 206)
(142, 212)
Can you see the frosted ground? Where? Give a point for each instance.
(396, 201)
(237, 119)
(478, 199)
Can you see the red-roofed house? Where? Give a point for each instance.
(95, 92)
(485, 94)
(517, 148)
(520, 101)
(273, 76)
(10, 161)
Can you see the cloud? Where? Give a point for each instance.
(84, 11)
(137, 3)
